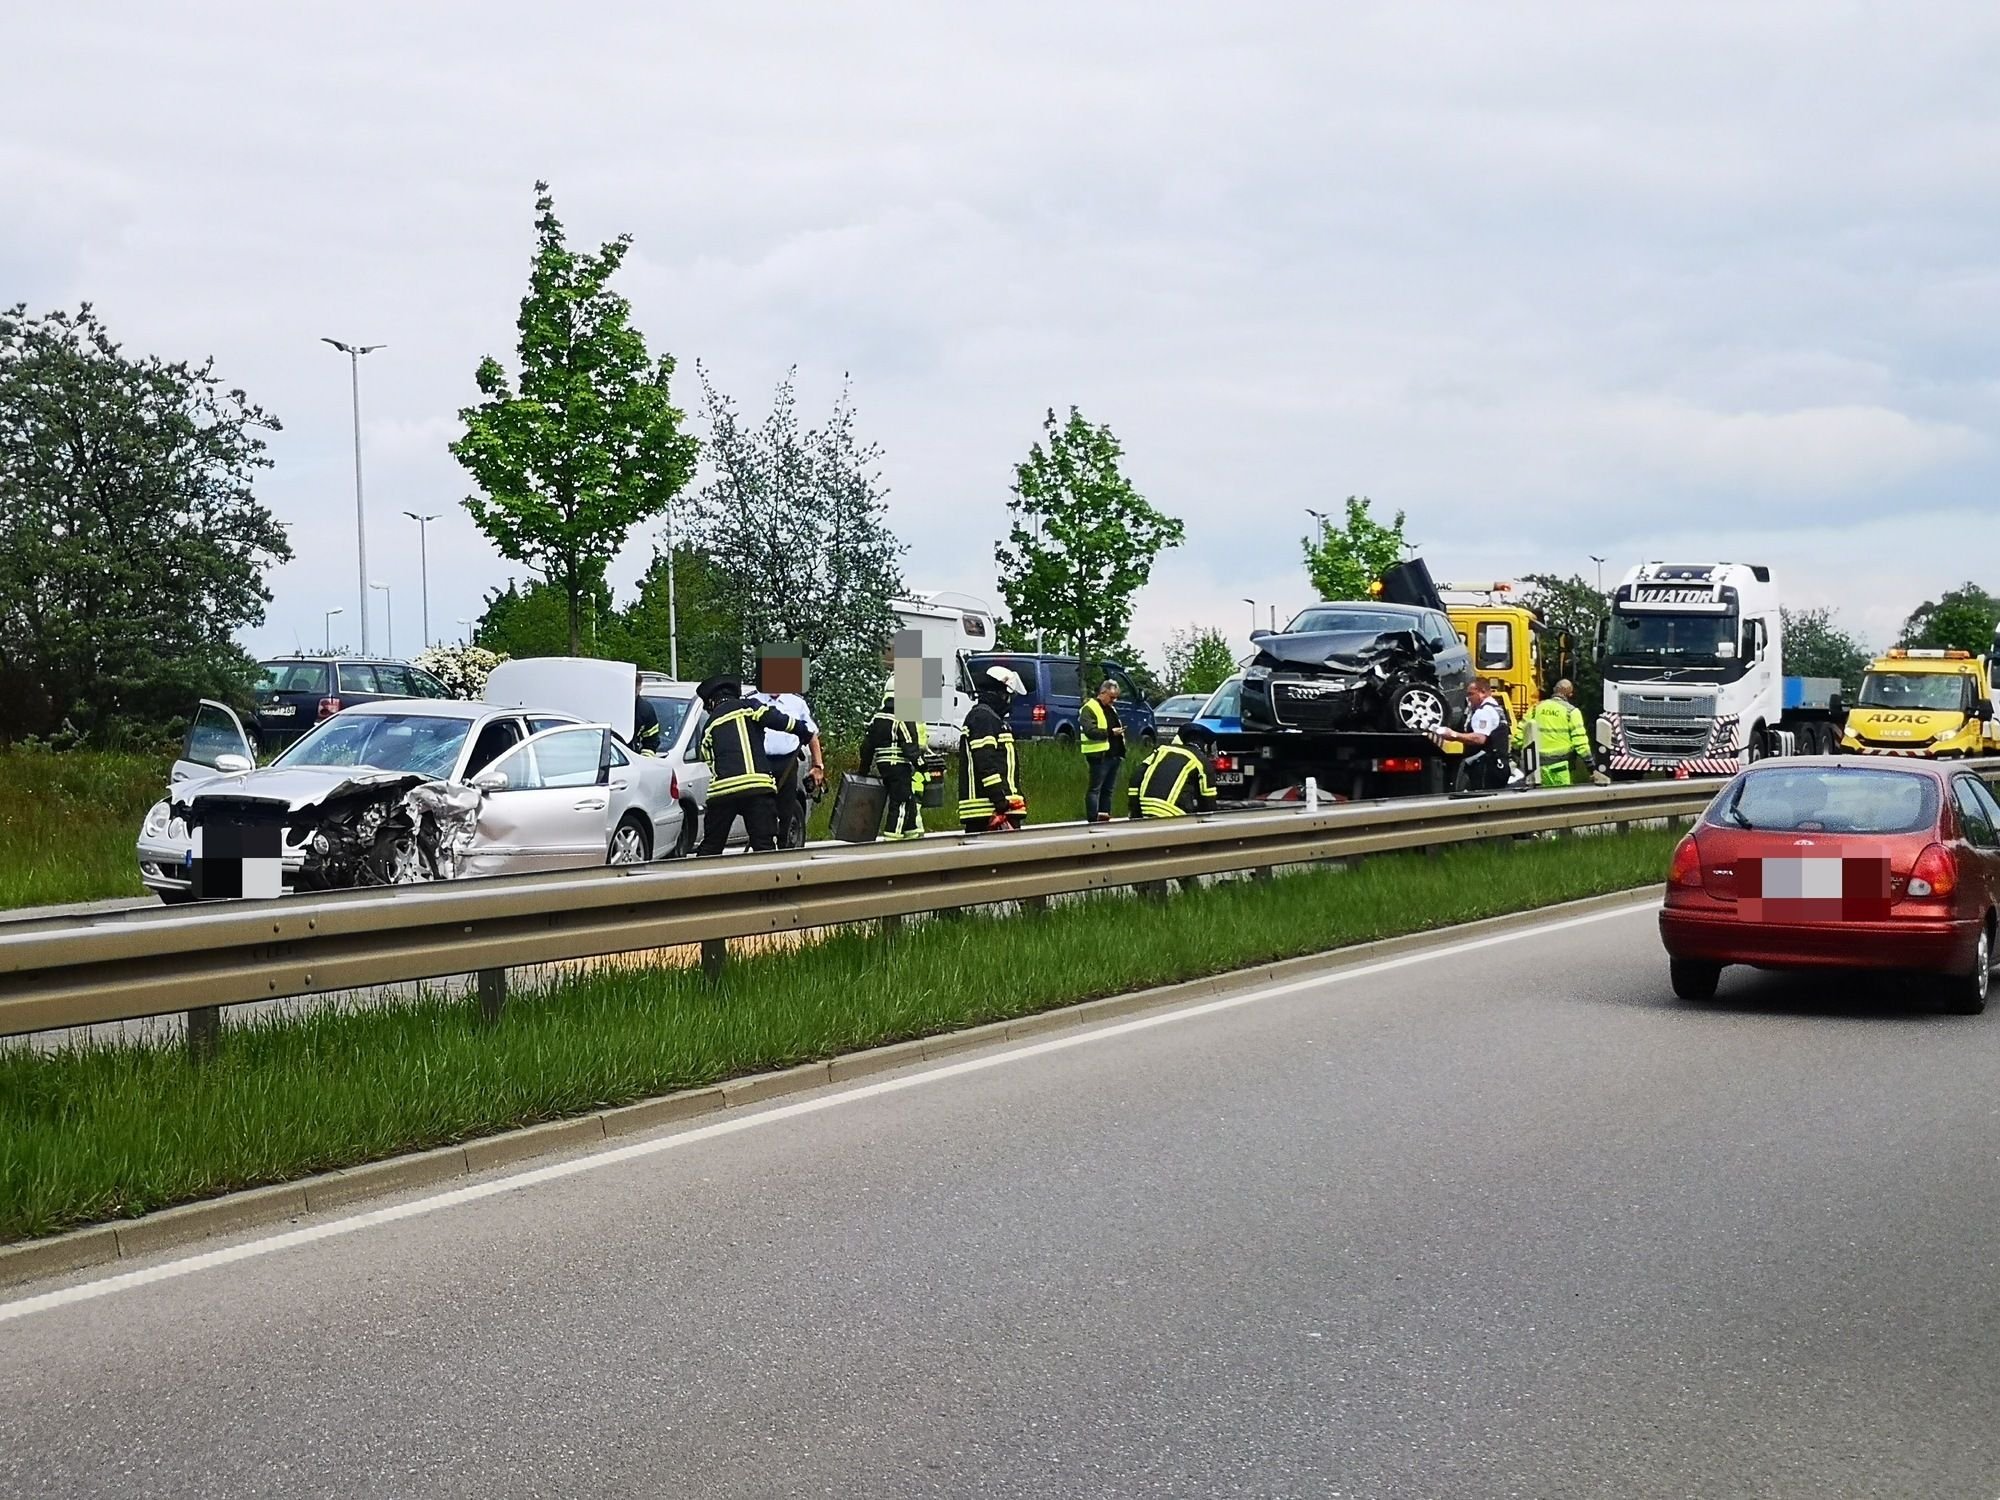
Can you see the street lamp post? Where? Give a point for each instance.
(1253, 615)
(1600, 569)
(389, 614)
(464, 631)
(424, 564)
(338, 610)
(354, 353)
(673, 616)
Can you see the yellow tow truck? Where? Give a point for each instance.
(1929, 704)
(1505, 640)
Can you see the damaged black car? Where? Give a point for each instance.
(1374, 667)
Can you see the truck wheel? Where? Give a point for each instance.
(1966, 994)
(1417, 707)
(1692, 979)
(1755, 748)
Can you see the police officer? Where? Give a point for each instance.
(790, 754)
(989, 787)
(893, 749)
(1174, 780)
(1559, 735)
(1486, 736)
(1101, 737)
(741, 781)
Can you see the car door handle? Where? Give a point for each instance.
(593, 804)
(619, 786)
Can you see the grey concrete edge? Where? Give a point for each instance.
(105, 1244)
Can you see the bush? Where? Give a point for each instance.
(462, 669)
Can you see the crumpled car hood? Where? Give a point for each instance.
(1342, 650)
(295, 787)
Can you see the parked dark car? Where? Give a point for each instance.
(296, 692)
(1374, 667)
(1171, 713)
(1056, 688)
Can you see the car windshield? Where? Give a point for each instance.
(1924, 692)
(1798, 800)
(423, 744)
(1349, 620)
(671, 712)
(1226, 702)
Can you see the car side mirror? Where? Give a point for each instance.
(234, 765)
(1258, 635)
(491, 781)
(1983, 712)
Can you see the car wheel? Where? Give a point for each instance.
(631, 843)
(690, 834)
(1966, 994)
(1692, 979)
(1417, 707)
(1066, 737)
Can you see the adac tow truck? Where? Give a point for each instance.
(1928, 704)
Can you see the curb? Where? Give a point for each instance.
(106, 1244)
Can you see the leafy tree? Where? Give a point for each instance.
(534, 621)
(708, 626)
(132, 546)
(1572, 608)
(590, 443)
(1198, 660)
(795, 525)
(1816, 647)
(1083, 540)
(1962, 619)
(1343, 561)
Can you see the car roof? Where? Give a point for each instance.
(360, 661)
(1907, 765)
(659, 682)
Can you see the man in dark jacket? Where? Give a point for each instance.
(893, 750)
(1174, 780)
(741, 781)
(989, 787)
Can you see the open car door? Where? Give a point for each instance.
(215, 744)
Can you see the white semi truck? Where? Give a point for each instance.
(1693, 678)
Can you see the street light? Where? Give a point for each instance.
(1325, 521)
(389, 614)
(424, 564)
(1600, 569)
(354, 353)
(329, 627)
(1253, 615)
(464, 631)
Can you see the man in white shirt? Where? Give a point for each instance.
(1487, 736)
(781, 683)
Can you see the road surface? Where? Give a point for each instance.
(1498, 1222)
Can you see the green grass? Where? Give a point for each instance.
(69, 820)
(104, 1131)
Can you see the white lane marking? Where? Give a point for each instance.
(271, 1244)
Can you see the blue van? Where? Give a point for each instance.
(1055, 695)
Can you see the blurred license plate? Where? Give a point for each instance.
(1815, 888)
(279, 710)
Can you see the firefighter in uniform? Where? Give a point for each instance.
(1174, 782)
(1560, 736)
(893, 749)
(645, 726)
(741, 781)
(989, 787)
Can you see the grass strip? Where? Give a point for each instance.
(69, 821)
(103, 1131)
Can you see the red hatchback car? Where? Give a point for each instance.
(1840, 863)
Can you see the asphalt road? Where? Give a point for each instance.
(1508, 1222)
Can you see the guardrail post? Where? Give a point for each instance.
(492, 994)
(204, 1032)
(891, 927)
(1035, 903)
(1156, 890)
(714, 953)
(1261, 872)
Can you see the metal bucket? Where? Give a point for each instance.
(857, 809)
(934, 780)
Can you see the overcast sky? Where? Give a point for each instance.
(1711, 281)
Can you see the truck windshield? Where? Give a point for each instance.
(1665, 639)
(1922, 692)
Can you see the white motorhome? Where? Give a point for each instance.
(1693, 677)
(953, 627)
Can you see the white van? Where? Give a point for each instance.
(954, 627)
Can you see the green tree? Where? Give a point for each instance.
(795, 524)
(1083, 540)
(1571, 608)
(709, 638)
(590, 443)
(132, 545)
(1343, 561)
(1961, 619)
(1816, 647)
(534, 621)
(1198, 660)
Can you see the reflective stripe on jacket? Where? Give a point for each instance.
(987, 783)
(733, 746)
(1173, 783)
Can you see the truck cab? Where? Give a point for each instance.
(1924, 704)
(1505, 640)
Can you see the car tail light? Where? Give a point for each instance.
(1685, 873)
(1225, 762)
(1400, 763)
(328, 706)
(674, 787)
(1041, 713)
(1934, 874)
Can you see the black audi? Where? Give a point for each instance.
(1382, 668)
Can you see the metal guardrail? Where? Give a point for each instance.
(60, 973)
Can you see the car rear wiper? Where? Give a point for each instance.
(1736, 816)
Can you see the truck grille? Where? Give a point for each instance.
(1311, 705)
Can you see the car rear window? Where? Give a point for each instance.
(293, 677)
(671, 712)
(1798, 799)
